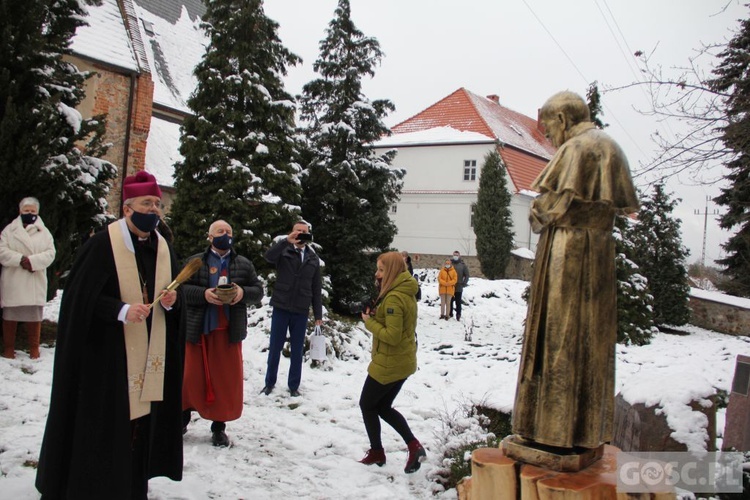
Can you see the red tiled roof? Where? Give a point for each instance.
(526, 150)
(523, 168)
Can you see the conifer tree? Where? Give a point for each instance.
(661, 256)
(732, 81)
(492, 220)
(239, 146)
(348, 189)
(635, 304)
(47, 150)
(594, 100)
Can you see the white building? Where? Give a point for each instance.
(442, 150)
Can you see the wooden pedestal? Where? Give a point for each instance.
(494, 476)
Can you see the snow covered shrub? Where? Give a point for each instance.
(466, 428)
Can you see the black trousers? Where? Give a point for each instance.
(457, 300)
(376, 402)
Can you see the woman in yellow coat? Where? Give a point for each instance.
(447, 287)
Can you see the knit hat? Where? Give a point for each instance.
(140, 184)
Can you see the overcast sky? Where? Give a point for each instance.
(524, 51)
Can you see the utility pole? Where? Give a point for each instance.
(705, 214)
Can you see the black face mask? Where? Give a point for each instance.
(145, 222)
(28, 218)
(223, 242)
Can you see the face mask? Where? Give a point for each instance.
(28, 218)
(145, 222)
(447, 266)
(223, 242)
(455, 258)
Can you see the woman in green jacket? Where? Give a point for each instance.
(393, 323)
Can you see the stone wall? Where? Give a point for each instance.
(725, 318)
(518, 267)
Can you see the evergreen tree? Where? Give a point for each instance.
(662, 257)
(492, 221)
(239, 146)
(348, 189)
(594, 100)
(635, 305)
(47, 150)
(732, 81)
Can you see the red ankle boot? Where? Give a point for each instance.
(416, 456)
(376, 457)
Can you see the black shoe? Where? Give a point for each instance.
(267, 390)
(458, 317)
(294, 393)
(219, 439)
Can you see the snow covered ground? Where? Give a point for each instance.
(308, 447)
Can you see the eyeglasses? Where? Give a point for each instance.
(147, 204)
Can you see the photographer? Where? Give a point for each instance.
(393, 324)
(298, 285)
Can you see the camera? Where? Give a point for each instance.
(361, 306)
(304, 237)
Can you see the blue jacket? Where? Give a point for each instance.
(298, 283)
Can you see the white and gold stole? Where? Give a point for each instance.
(145, 358)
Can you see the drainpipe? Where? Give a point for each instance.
(126, 147)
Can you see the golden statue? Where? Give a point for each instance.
(565, 391)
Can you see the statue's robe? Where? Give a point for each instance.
(565, 390)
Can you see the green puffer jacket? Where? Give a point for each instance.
(393, 328)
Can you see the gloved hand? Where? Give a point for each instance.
(26, 264)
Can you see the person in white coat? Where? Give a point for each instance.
(26, 250)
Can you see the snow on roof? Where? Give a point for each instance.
(512, 127)
(465, 110)
(173, 49)
(437, 135)
(162, 151)
(524, 253)
(105, 38)
(720, 297)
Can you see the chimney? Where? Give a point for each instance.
(494, 98)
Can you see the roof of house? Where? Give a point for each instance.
(525, 150)
(106, 38)
(160, 37)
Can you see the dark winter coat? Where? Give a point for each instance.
(86, 448)
(393, 328)
(462, 272)
(242, 272)
(298, 283)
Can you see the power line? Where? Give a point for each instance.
(586, 80)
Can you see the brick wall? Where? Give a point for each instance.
(108, 93)
(720, 317)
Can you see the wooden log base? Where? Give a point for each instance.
(550, 457)
(495, 476)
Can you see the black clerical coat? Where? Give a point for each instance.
(85, 452)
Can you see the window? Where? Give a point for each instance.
(470, 170)
(471, 217)
(394, 209)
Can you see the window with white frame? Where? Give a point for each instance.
(394, 209)
(470, 170)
